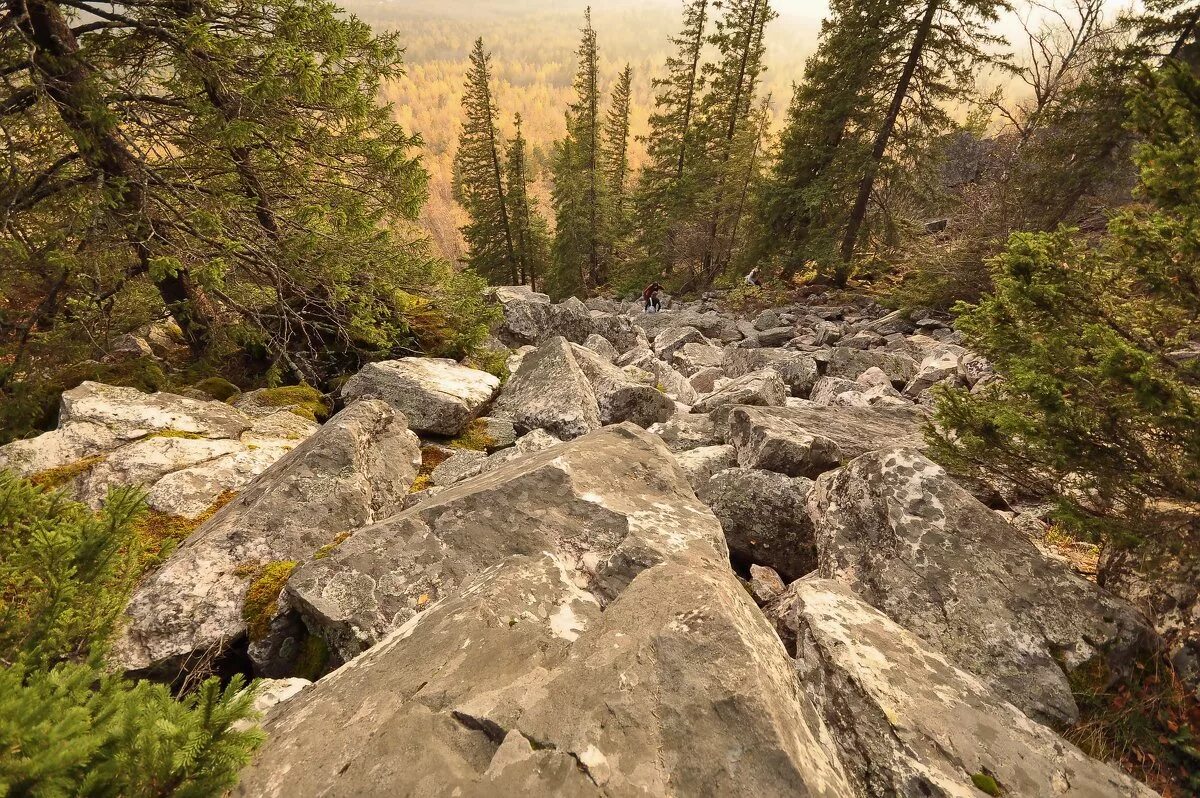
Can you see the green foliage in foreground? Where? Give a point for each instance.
(1100, 397)
(67, 727)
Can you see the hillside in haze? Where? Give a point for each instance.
(533, 46)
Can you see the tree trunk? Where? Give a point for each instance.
(858, 212)
(66, 77)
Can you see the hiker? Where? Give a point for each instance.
(753, 279)
(650, 298)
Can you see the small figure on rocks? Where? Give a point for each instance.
(650, 298)
(753, 279)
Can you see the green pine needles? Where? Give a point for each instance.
(1100, 397)
(68, 727)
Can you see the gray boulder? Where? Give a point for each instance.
(715, 326)
(694, 357)
(907, 722)
(620, 397)
(764, 518)
(849, 363)
(355, 470)
(550, 391)
(908, 540)
(598, 646)
(437, 395)
(527, 314)
(671, 339)
(809, 439)
(935, 367)
(798, 370)
(758, 388)
(686, 431)
(615, 497)
(601, 346)
(701, 463)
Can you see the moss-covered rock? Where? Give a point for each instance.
(218, 388)
(262, 595)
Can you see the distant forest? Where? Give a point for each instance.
(533, 63)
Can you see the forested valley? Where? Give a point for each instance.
(255, 209)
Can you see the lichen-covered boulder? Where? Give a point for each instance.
(618, 396)
(437, 395)
(356, 469)
(685, 431)
(550, 391)
(906, 721)
(701, 463)
(808, 439)
(599, 646)
(849, 363)
(758, 388)
(896, 529)
(615, 496)
(527, 315)
(798, 370)
(764, 518)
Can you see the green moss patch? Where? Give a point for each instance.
(303, 400)
(60, 475)
(985, 783)
(176, 433)
(312, 660)
(261, 596)
(159, 533)
(431, 458)
(475, 437)
(328, 548)
(218, 388)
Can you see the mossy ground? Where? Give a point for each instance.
(431, 458)
(303, 400)
(218, 388)
(312, 661)
(474, 437)
(61, 475)
(986, 783)
(263, 593)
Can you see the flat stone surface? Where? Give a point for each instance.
(437, 395)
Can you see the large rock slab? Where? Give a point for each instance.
(618, 396)
(715, 326)
(550, 391)
(185, 453)
(355, 470)
(798, 370)
(895, 528)
(615, 498)
(764, 519)
(552, 671)
(807, 440)
(437, 395)
(758, 388)
(907, 722)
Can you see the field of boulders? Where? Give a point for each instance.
(692, 552)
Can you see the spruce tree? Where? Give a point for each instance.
(580, 190)
(948, 42)
(479, 177)
(617, 212)
(232, 156)
(530, 235)
(668, 185)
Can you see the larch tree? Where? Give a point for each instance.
(725, 117)
(530, 236)
(479, 176)
(948, 41)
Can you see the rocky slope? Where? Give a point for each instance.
(589, 593)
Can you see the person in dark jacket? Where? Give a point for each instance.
(650, 298)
